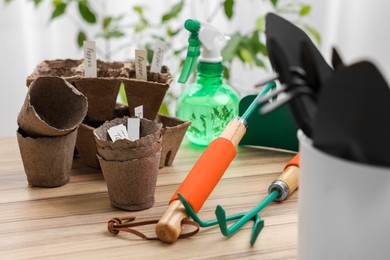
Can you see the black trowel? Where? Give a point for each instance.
(353, 118)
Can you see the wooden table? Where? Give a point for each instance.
(71, 221)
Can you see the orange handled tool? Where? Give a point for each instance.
(287, 182)
(279, 190)
(202, 179)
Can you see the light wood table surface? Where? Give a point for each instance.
(70, 222)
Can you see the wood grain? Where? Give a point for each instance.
(71, 221)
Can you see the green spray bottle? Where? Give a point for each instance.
(209, 103)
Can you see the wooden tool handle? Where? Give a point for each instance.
(235, 130)
(168, 229)
(290, 177)
(287, 182)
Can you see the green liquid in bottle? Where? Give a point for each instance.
(208, 104)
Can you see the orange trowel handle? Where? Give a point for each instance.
(206, 173)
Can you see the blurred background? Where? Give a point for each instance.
(35, 30)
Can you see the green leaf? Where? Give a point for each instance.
(249, 50)
(106, 22)
(195, 130)
(230, 50)
(259, 62)
(226, 73)
(81, 37)
(139, 10)
(274, 3)
(157, 37)
(113, 34)
(313, 32)
(216, 113)
(166, 17)
(37, 2)
(140, 27)
(164, 109)
(172, 33)
(59, 9)
(228, 8)
(193, 116)
(263, 49)
(179, 51)
(305, 10)
(256, 45)
(260, 23)
(149, 53)
(254, 40)
(86, 13)
(246, 56)
(176, 9)
(122, 93)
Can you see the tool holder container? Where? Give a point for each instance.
(343, 207)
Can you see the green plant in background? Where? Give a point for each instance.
(136, 28)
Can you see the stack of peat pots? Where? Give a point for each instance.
(127, 166)
(48, 121)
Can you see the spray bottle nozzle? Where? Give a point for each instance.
(201, 34)
(193, 26)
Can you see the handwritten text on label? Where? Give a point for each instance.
(140, 65)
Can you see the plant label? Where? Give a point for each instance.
(140, 65)
(118, 132)
(139, 111)
(133, 127)
(90, 70)
(158, 56)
